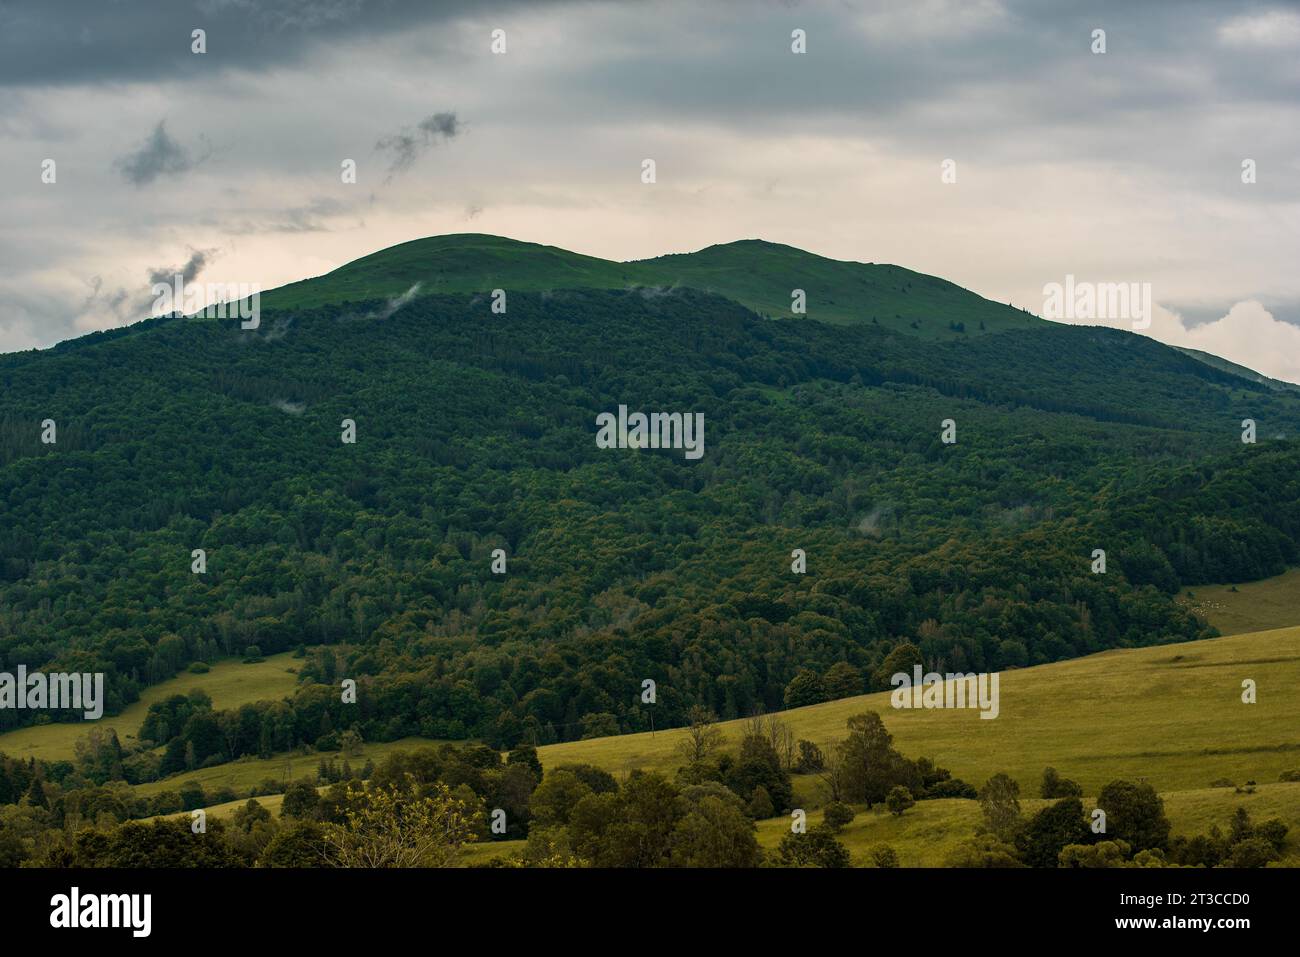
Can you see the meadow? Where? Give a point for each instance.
(1250, 606)
(1172, 715)
(230, 683)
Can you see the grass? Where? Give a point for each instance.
(1170, 714)
(757, 274)
(1254, 606)
(246, 773)
(231, 683)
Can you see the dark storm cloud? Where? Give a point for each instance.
(405, 146)
(159, 155)
(64, 42)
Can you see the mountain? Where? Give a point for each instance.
(477, 431)
(757, 274)
(1239, 370)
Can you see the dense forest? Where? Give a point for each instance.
(475, 432)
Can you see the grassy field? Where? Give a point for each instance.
(1253, 606)
(1170, 714)
(244, 774)
(230, 683)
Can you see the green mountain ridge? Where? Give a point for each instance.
(755, 273)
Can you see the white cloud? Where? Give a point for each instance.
(1248, 334)
(1277, 28)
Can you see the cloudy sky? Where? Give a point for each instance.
(1116, 166)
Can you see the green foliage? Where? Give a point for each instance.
(872, 768)
(810, 758)
(1051, 830)
(1000, 801)
(983, 850)
(899, 800)
(760, 804)
(1055, 786)
(837, 815)
(882, 855)
(976, 553)
(1112, 853)
(817, 847)
(1135, 814)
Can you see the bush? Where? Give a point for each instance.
(816, 848)
(760, 804)
(838, 815)
(1274, 831)
(1055, 786)
(266, 786)
(983, 850)
(810, 759)
(1252, 852)
(882, 855)
(198, 668)
(951, 788)
(899, 800)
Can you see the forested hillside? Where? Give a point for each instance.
(476, 431)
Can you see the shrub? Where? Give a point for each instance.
(882, 855)
(837, 815)
(899, 800)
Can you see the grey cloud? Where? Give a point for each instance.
(188, 272)
(159, 155)
(113, 301)
(408, 144)
(80, 41)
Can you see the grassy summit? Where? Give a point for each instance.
(757, 274)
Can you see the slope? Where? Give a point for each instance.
(475, 432)
(1170, 715)
(757, 274)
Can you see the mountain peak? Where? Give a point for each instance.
(759, 274)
